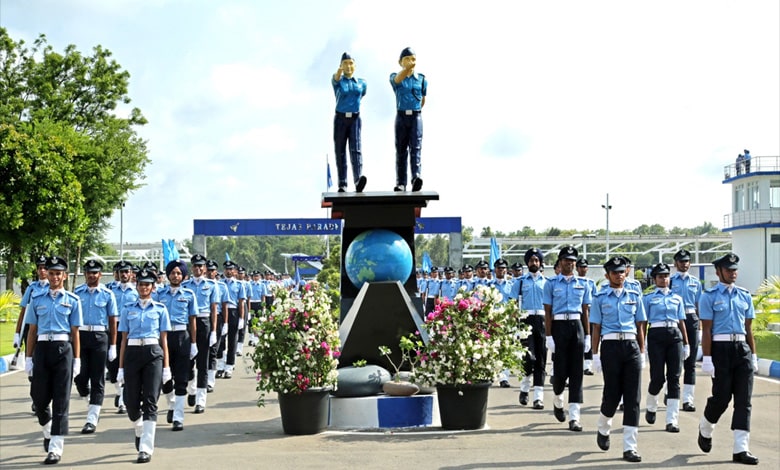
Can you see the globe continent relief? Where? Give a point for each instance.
(378, 255)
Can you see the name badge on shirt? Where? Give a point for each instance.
(630, 302)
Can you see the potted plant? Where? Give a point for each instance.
(403, 383)
(297, 355)
(471, 339)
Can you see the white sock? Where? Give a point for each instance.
(574, 411)
(147, 437)
(200, 397)
(558, 401)
(630, 434)
(652, 403)
(178, 408)
(706, 428)
(57, 444)
(672, 410)
(93, 414)
(604, 424)
(525, 384)
(741, 441)
(539, 393)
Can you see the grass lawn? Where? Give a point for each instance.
(767, 345)
(7, 330)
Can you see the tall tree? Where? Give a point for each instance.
(58, 114)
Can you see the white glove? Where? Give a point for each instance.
(686, 351)
(596, 363)
(224, 329)
(17, 340)
(112, 353)
(642, 360)
(120, 376)
(707, 366)
(550, 344)
(240, 323)
(76, 366)
(28, 366)
(193, 350)
(213, 338)
(166, 375)
(587, 343)
(755, 363)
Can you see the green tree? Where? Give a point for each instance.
(58, 115)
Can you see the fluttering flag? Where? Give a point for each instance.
(330, 180)
(170, 253)
(495, 251)
(173, 250)
(227, 256)
(426, 262)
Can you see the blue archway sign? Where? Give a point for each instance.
(255, 227)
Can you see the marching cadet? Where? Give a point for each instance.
(449, 285)
(468, 282)
(689, 288)
(530, 289)
(217, 351)
(482, 269)
(242, 277)
(36, 288)
(582, 271)
(143, 361)
(207, 298)
(618, 323)
(566, 303)
(504, 287)
(727, 313)
(182, 308)
(100, 315)
(52, 361)
(256, 293)
(125, 293)
(431, 290)
(235, 319)
(667, 346)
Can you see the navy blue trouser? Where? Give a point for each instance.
(52, 371)
(569, 339)
(665, 353)
(408, 144)
(621, 366)
(689, 365)
(347, 130)
(143, 381)
(733, 376)
(94, 356)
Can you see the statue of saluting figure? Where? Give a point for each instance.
(410, 89)
(346, 123)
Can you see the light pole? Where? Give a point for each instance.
(607, 207)
(121, 231)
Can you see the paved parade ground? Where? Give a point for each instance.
(235, 433)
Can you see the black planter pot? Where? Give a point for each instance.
(463, 406)
(305, 413)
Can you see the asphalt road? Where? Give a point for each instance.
(235, 433)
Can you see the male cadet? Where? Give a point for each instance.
(256, 293)
(582, 272)
(449, 286)
(182, 306)
(34, 289)
(481, 268)
(207, 298)
(410, 90)
(618, 323)
(419, 280)
(726, 312)
(566, 303)
(100, 316)
(347, 123)
(217, 350)
(270, 283)
(504, 287)
(52, 361)
(467, 283)
(530, 294)
(689, 288)
(125, 293)
(236, 299)
(242, 278)
(431, 290)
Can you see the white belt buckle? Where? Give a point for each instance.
(349, 115)
(621, 336)
(409, 112)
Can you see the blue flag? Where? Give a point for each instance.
(172, 250)
(330, 180)
(166, 252)
(426, 262)
(495, 251)
(227, 256)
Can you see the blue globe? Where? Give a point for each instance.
(378, 255)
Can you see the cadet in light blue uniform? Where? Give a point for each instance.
(410, 90)
(582, 271)
(468, 282)
(530, 288)
(566, 303)
(143, 361)
(347, 124)
(431, 290)
(504, 287)
(217, 351)
(125, 293)
(256, 293)
(235, 300)
(54, 318)
(97, 339)
(207, 297)
(449, 285)
(618, 321)
(667, 346)
(481, 270)
(34, 289)
(727, 315)
(689, 288)
(182, 306)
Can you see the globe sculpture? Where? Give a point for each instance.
(378, 255)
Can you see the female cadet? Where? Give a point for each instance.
(617, 318)
(143, 361)
(665, 338)
(54, 318)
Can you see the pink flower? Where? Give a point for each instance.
(463, 304)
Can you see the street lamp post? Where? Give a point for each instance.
(607, 207)
(121, 230)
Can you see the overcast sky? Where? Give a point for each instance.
(535, 110)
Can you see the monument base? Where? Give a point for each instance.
(383, 412)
